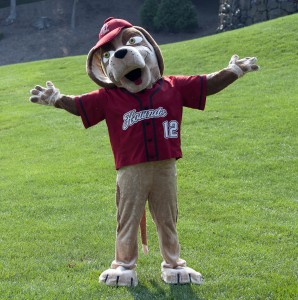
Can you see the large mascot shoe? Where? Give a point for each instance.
(181, 275)
(119, 277)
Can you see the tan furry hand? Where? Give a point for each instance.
(242, 66)
(45, 96)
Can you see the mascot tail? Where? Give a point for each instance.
(144, 233)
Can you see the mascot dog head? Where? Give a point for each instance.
(125, 56)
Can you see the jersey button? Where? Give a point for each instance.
(147, 123)
(149, 140)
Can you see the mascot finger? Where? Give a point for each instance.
(233, 60)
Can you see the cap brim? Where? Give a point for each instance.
(108, 37)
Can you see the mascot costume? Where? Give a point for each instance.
(143, 112)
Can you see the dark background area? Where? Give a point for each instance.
(22, 42)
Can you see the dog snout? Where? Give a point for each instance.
(120, 53)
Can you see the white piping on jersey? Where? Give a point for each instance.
(132, 117)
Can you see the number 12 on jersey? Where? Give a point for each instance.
(170, 129)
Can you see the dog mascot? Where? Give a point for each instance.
(143, 112)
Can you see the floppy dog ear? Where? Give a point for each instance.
(155, 47)
(95, 69)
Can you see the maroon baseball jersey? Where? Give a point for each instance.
(144, 126)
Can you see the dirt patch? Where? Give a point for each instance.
(22, 42)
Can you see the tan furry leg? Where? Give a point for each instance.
(163, 208)
(131, 199)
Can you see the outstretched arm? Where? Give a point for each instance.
(51, 96)
(237, 68)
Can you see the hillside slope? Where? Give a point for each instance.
(237, 180)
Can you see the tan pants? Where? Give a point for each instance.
(157, 183)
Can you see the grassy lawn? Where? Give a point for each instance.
(237, 180)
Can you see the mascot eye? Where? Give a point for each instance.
(106, 56)
(134, 40)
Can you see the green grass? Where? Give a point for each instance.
(237, 180)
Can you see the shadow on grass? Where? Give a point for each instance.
(159, 290)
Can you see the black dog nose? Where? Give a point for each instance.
(120, 53)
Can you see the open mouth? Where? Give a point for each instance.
(135, 76)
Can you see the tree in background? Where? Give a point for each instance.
(13, 13)
(176, 16)
(169, 15)
(148, 13)
(42, 22)
(73, 14)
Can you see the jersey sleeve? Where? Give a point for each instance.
(91, 107)
(192, 90)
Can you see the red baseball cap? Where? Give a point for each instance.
(110, 29)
